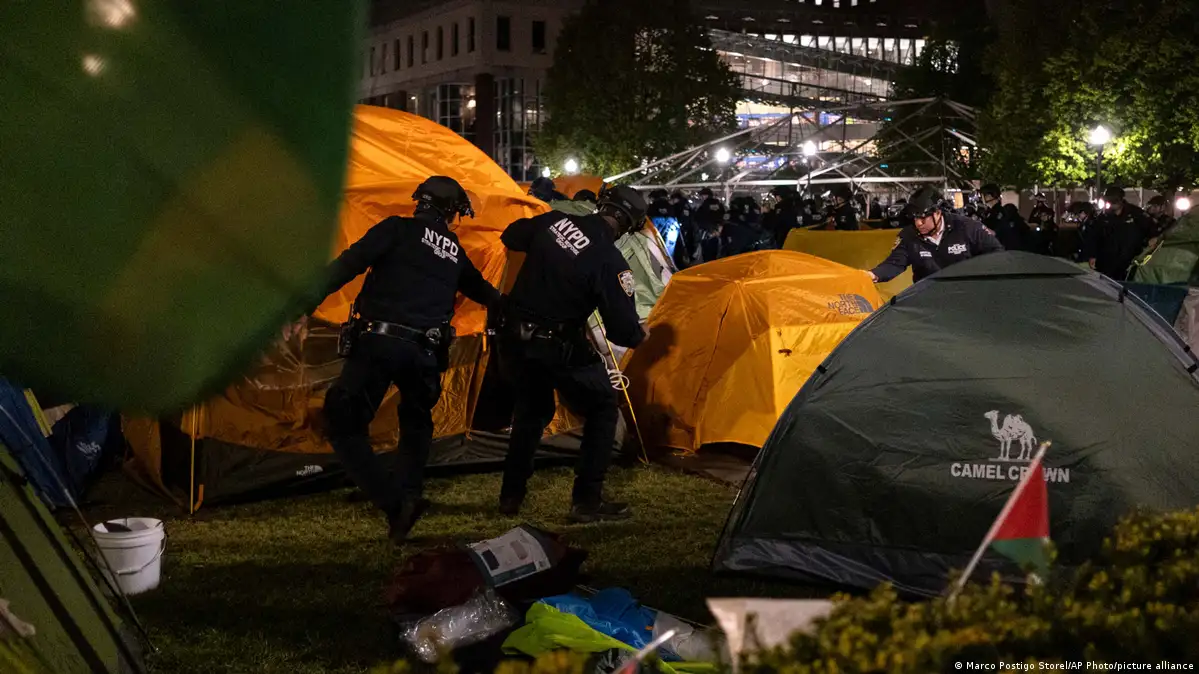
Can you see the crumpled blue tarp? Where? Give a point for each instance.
(613, 612)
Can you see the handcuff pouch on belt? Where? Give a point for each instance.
(347, 337)
(559, 340)
(438, 340)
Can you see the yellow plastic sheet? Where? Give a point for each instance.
(732, 341)
(861, 250)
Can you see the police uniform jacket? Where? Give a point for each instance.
(572, 267)
(1009, 227)
(417, 266)
(845, 217)
(961, 239)
(1117, 239)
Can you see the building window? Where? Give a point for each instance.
(383, 59)
(538, 37)
(456, 109)
(503, 33)
(440, 43)
(454, 39)
(372, 61)
(424, 47)
(410, 50)
(395, 54)
(517, 116)
(470, 35)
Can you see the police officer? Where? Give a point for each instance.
(544, 189)
(1160, 215)
(784, 214)
(400, 333)
(1042, 227)
(1074, 237)
(936, 239)
(843, 216)
(744, 230)
(1121, 233)
(1004, 220)
(572, 267)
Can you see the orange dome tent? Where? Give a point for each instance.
(732, 341)
(264, 435)
(863, 249)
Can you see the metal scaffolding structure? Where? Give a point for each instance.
(933, 129)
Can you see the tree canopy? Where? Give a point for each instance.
(633, 81)
(1128, 65)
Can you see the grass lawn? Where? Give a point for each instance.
(295, 585)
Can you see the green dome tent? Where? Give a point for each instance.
(898, 453)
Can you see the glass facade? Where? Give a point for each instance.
(518, 110)
(456, 109)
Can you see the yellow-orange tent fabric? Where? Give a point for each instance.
(863, 249)
(276, 407)
(732, 341)
(570, 185)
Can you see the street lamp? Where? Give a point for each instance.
(571, 166)
(723, 155)
(1100, 136)
(545, 172)
(1182, 204)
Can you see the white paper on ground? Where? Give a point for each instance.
(777, 619)
(511, 556)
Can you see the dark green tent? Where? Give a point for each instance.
(898, 453)
(50, 609)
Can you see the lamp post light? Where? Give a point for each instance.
(1100, 136)
(1183, 204)
(545, 172)
(723, 155)
(809, 151)
(571, 166)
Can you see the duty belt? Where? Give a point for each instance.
(411, 334)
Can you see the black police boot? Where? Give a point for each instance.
(604, 510)
(402, 520)
(510, 505)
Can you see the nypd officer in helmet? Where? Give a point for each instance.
(936, 239)
(572, 268)
(399, 332)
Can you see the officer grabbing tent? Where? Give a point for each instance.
(572, 267)
(399, 332)
(936, 239)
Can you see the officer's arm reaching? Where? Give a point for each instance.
(894, 265)
(476, 288)
(359, 257)
(519, 235)
(616, 306)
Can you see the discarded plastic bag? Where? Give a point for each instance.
(483, 616)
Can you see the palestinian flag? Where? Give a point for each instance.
(1022, 528)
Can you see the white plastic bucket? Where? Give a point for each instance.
(135, 556)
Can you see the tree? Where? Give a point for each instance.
(633, 81)
(1124, 64)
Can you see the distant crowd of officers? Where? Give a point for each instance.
(1109, 239)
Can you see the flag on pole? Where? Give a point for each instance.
(1021, 532)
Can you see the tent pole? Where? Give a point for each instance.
(623, 389)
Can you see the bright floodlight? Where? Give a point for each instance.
(723, 155)
(545, 172)
(571, 166)
(1102, 204)
(1182, 204)
(1100, 135)
(809, 148)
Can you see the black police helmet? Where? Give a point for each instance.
(1113, 193)
(991, 190)
(678, 195)
(924, 202)
(660, 208)
(841, 191)
(659, 194)
(543, 188)
(445, 195)
(585, 195)
(625, 204)
(706, 192)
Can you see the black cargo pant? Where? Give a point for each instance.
(536, 369)
(376, 362)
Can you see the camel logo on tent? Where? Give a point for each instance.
(1014, 434)
(849, 305)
